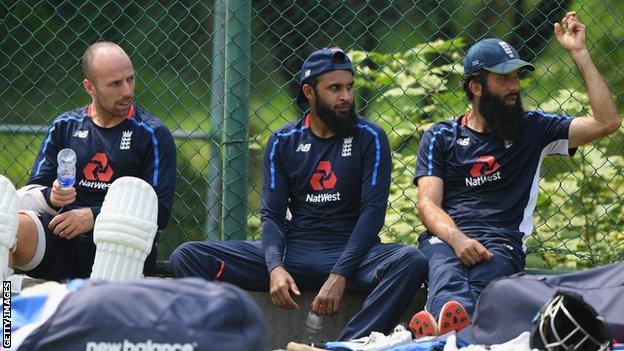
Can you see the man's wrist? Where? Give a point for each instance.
(455, 236)
(580, 57)
(271, 268)
(337, 277)
(47, 195)
(87, 211)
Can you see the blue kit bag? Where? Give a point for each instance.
(188, 314)
(507, 306)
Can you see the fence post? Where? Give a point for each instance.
(235, 126)
(213, 195)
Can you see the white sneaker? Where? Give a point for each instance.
(9, 222)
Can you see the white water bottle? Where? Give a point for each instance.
(314, 324)
(66, 170)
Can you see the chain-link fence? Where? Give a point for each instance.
(194, 60)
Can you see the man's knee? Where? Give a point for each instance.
(412, 256)
(27, 240)
(191, 260)
(181, 257)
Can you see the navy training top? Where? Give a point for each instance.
(140, 146)
(335, 189)
(491, 184)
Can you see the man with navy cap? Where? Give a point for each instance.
(478, 174)
(330, 171)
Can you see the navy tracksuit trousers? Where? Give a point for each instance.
(449, 279)
(389, 273)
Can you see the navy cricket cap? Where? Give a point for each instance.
(189, 314)
(322, 61)
(493, 55)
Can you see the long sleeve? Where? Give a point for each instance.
(160, 171)
(377, 166)
(274, 204)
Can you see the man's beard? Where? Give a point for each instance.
(503, 121)
(341, 125)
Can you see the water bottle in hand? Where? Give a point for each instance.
(314, 324)
(66, 171)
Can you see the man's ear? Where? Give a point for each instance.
(308, 92)
(88, 87)
(475, 87)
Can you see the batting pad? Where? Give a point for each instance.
(9, 221)
(124, 230)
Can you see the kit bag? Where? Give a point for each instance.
(508, 306)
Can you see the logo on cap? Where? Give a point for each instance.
(507, 48)
(307, 73)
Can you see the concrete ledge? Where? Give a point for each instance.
(286, 325)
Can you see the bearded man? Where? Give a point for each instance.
(331, 171)
(478, 175)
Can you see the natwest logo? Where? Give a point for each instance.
(98, 168)
(484, 165)
(323, 178)
(483, 171)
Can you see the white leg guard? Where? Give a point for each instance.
(124, 230)
(9, 222)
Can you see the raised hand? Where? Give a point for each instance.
(571, 33)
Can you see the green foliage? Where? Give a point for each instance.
(580, 216)
(410, 82)
(413, 91)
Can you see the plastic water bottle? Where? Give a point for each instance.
(66, 170)
(314, 324)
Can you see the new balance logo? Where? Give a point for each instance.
(81, 134)
(434, 240)
(149, 345)
(463, 142)
(303, 147)
(126, 138)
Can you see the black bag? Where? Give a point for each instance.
(508, 305)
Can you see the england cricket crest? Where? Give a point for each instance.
(126, 138)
